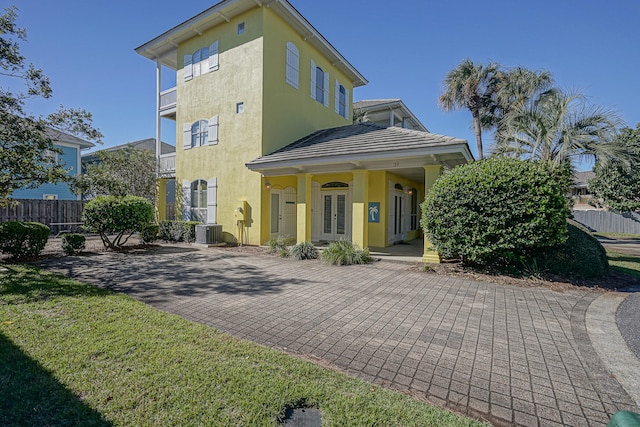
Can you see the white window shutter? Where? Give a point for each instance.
(214, 58)
(337, 97)
(326, 89)
(186, 200)
(212, 131)
(212, 201)
(347, 104)
(293, 65)
(313, 79)
(186, 138)
(188, 67)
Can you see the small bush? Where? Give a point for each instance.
(23, 239)
(73, 243)
(119, 216)
(178, 231)
(304, 250)
(581, 256)
(149, 233)
(276, 245)
(343, 252)
(495, 211)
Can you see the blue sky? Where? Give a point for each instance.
(404, 49)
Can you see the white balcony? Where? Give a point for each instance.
(168, 165)
(168, 100)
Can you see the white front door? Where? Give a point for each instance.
(335, 224)
(283, 213)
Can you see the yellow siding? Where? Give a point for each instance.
(290, 113)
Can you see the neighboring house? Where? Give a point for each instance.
(580, 193)
(71, 148)
(167, 203)
(266, 145)
(388, 113)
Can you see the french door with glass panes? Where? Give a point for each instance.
(334, 215)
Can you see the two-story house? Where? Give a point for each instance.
(266, 145)
(69, 156)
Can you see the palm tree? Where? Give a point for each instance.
(559, 128)
(514, 88)
(470, 86)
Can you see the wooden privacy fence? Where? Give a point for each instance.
(59, 215)
(609, 222)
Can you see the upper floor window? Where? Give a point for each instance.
(50, 157)
(342, 100)
(201, 132)
(240, 28)
(293, 64)
(201, 61)
(319, 85)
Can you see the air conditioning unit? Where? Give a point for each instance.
(209, 234)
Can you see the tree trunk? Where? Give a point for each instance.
(478, 130)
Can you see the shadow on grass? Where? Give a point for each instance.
(627, 264)
(31, 396)
(24, 284)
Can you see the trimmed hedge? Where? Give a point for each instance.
(119, 216)
(495, 211)
(581, 256)
(23, 239)
(149, 233)
(73, 243)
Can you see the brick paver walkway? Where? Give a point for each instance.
(514, 356)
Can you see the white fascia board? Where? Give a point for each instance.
(461, 149)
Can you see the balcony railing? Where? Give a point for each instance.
(168, 165)
(168, 99)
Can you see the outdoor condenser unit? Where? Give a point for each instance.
(209, 234)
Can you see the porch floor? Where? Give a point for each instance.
(407, 252)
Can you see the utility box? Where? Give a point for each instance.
(209, 234)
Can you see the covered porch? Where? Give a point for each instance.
(362, 182)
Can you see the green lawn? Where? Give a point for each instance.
(617, 235)
(628, 264)
(73, 354)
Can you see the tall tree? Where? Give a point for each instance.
(470, 86)
(560, 128)
(125, 172)
(616, 184)
(26, 141)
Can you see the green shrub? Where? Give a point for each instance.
(23, 239)
(304, 250)
(119, 216)
(276, 245)
(73, 243)
(149, 233)
(343, 252)
(581, 256)
(178, 231)
(495, 211)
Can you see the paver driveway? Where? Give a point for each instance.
(508, 354)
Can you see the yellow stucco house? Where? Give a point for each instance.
(266, 146)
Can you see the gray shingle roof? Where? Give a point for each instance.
(60, 136)
(581, 179)
(363, 138)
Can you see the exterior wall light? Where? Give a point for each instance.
(267, 185)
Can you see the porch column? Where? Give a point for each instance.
(304, 208)
(431, 174)
(360, 194)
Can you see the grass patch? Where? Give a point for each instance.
(73, 354)
(617, 235)
(624, 263)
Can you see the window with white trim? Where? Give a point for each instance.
(199, 200)
(50, 157)
(415, 208)
(342, 100)
(319, 84)
(49, 197)
(240, 28)
(201, 132)
(240, 108)
(201, 61)
(293, 65)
